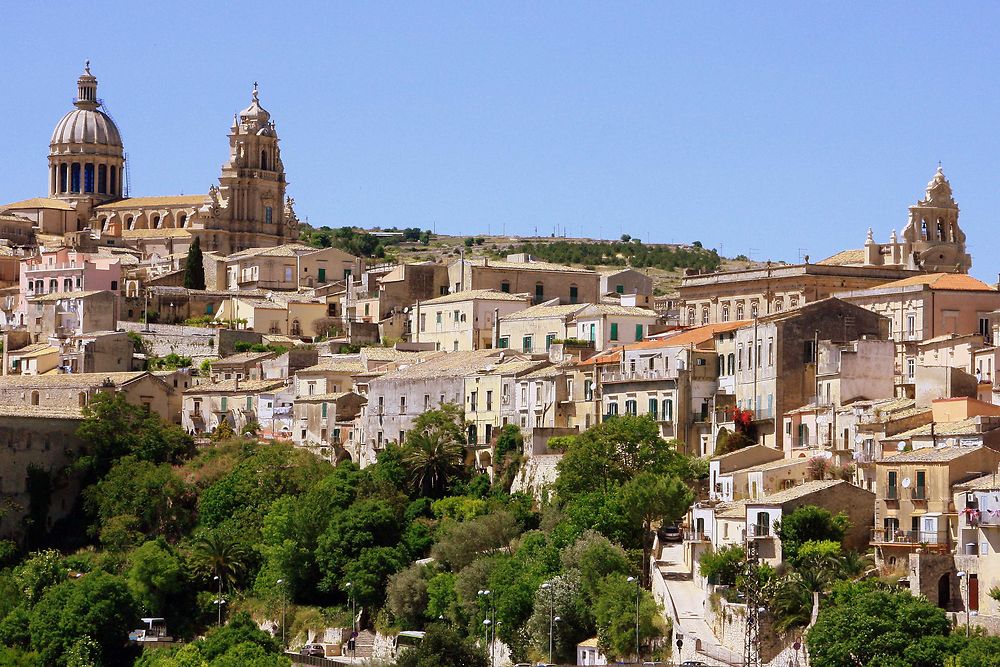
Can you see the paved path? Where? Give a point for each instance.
(688, 601)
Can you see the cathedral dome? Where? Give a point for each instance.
(86, 126)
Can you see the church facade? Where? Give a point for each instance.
(249, 208)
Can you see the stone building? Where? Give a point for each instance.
(626, 281)
(914, 505)
(607, 324)
(88, 187)
(326, 422)
(922, 308)
(520, 274)
(533, 330)
(290, 266)
(396, 398)
(465, 320)
(776, 358)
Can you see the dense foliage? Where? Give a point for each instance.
(625, 253)
(198, 536)
(359, 242)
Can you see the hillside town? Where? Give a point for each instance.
(824, 423)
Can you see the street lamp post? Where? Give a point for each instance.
(353, 642)
(552, 605)
(638, 591)
(281, 582)
(490, 622)
(218, 600)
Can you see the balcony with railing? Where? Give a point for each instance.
(759, 532)
(613, 376)
(889, 536)
(695, 536)
(976, 518)
(891, 493)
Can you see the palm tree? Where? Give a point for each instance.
(432, 461)
(791, 602)
(221, 555)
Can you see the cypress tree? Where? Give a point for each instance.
(194, 270)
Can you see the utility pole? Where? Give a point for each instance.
(753, 598)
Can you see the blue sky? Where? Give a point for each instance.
(771, 129)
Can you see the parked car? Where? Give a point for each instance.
(315, 650)
(671, 533)
(692, 663)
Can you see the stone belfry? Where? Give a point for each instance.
(931, 241)
(932, 235)
(252, 183)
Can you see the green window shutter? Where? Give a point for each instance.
(614, 331)
(323, 410)
(638, 332)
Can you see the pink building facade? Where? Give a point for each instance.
(67, 270)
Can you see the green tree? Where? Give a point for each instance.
(460, 542)
(508, 456)
(722, 566)
(98, 605)
(113, 428)
(240, 630)
(810, 523)
(563, 597)
(365, 525)
(651, 498)
(154, 496)
(194, 268)
(159, 580)
(39, 572)
(871, 623)
(595, 557)
(220, 554)
(433, 461)
(442, 647)
(614, 610)
(613, 452)
(407, 595)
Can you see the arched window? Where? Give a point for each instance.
(505, 286)
(923, 230)
(53, 285)
(263, 160)
(539, 292)
(725, 313)
(102, 178)
(34, 398)
(157, 222)
(104, 224)
(668, 409)
(88, 177)
(63, 177)
(753, 310)
(74, 185)
(704, 315)
(183, 220)
(940, 229)
(113, 181)
(739, 311)
(779, 305)
(130, 222)
(732, 363)
(83, 398)
(67, 284)
(296, 328)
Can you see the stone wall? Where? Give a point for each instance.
(199, 343)
(537, 472)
